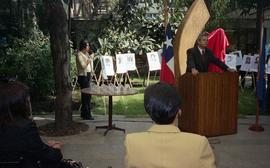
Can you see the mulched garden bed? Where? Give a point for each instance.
(75, 128)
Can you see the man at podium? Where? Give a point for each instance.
(199, 57)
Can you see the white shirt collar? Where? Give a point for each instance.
(201, 50)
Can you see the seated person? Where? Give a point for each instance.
(199, 57)
(19, 134)
(164, 145)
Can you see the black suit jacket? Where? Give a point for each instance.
(196, 60)
(22, 140)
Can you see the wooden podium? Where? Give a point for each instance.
(209, 103)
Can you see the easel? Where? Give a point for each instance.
(154, 64)
(139, 76)
(248, 67)
(102, 77)
(123, 77)
(244, 78)
(148, 76)
(123, 69)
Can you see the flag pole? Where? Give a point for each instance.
(257, 127)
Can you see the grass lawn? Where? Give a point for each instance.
(129, 106)
(132, 106)
(246, 102)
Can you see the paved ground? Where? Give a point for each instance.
(245, 149)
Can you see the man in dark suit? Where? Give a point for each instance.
(199, 57)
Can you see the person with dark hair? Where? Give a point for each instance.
(164, 145)
(199, 57)
(84, 63)
(19, 134)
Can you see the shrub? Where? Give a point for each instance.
(30, 60)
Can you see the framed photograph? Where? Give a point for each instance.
(246, 63)
(154, 61)
(239, 57)
(107, 66)
(230, 60)
(254, 63)
(267, 69)
(131, 61)
(121, 64)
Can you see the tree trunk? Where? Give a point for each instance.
(32, 13)
(58, 27)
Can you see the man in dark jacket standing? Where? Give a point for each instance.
(199, 57)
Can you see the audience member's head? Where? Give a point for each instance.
(14, 102)
(162, 103)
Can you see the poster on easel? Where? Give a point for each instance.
(267, 69)
(130, 61)
(154, 61)
(246, 63)
(107, 66)
(121, 63)
(254, 63)
(230, 60)
(239, 57)
(160, 51)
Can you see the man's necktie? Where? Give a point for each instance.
(203, 55)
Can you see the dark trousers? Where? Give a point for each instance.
(84, 82)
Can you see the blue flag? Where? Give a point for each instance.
(261, 82)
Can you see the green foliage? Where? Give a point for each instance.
(30, 60)
(247, 5)
(218, 10)
(128, 29)
(73, 68)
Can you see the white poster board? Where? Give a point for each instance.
(254, 63)
(131, 62)
(121, 63)
(239, 57)
(230, 60)
(246, 63)
(160, 54)
(267, 70)
(107, 66)
(153, 61)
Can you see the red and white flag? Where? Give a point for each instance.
(167, 62)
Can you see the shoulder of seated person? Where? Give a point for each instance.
(192, 136)
(181, 137)
(25, 123)
(135, 134)
(186, 134)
